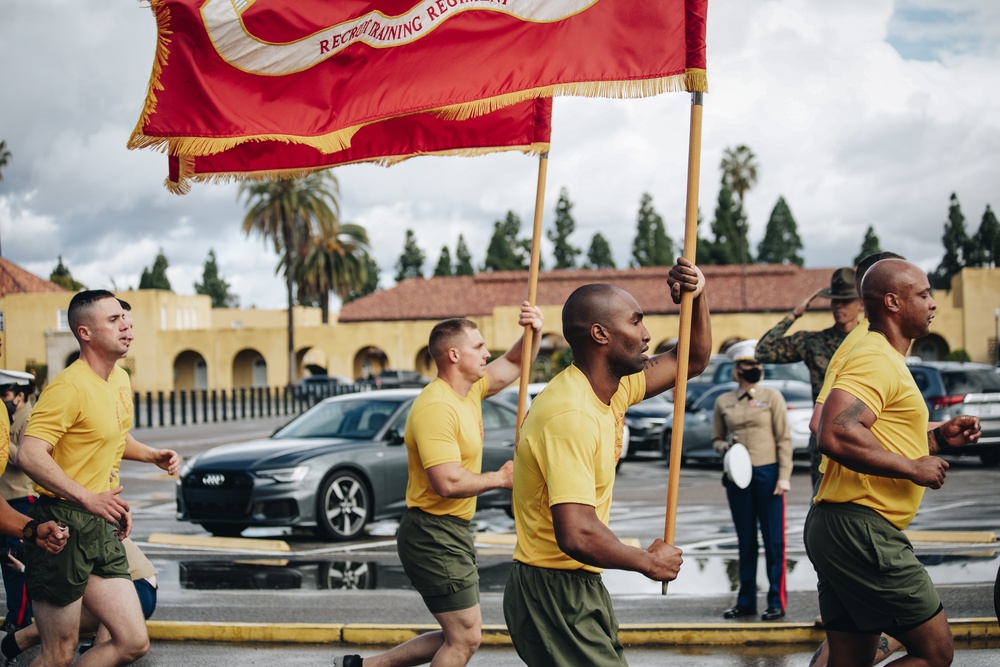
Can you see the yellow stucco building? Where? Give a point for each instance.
(183, 343)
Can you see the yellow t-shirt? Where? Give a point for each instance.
(568, 447)
(833, 370)
(4, 438)
(80, 416)
(876, 374)
(443, 427)
(121, 384)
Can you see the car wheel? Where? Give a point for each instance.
(344, 505)
(347, 575)
(225, 529)
(990, 458)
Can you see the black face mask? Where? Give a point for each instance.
(752, 375)
(10, 408)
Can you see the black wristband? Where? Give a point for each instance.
(938, 438)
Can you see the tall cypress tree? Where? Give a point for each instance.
(781, 243)
(986, 242)
(411, 263)
(651, 246)
(443, 267)
(956, 245)
(463, 259)
(506, 252)
(565, 253)
(869, 246)
(213, 285)
(156, 277)
(729, 228)
(599, 253)
(61, 276)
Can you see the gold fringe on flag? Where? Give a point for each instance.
(162, 14)
(186, 175)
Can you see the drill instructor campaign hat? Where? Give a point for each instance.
(841, 285)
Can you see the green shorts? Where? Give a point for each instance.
(561, 618)
(870, 581)
(92, 548)
(439, 556)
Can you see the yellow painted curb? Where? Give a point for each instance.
(652, 634)
(958, 536)
(233, 543)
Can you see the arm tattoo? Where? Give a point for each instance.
(650, 362)
(850, 416)
(883, 646)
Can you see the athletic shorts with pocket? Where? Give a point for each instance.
(870, 581)
(439, 557)
(92, 548)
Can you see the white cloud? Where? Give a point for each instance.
(860, 112)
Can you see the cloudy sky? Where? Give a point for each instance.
(860, 112)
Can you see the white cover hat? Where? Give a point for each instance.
(15, 377)
(743, 350)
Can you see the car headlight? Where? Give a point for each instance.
(187, 468)
(284, 475)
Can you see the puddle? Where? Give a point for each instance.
(700, 576)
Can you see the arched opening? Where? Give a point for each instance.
(249, 369)
(311, 361)
(71, 357)
(424, 363)
(552, 358)
(190, 371)
(664, 345)
(930, 348)
(369, 361)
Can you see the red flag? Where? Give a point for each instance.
(314, 72)
(525, 127)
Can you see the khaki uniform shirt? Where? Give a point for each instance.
(14, 483)
(758, 419)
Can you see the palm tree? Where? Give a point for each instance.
(4, 161)
(334, 263)
(289, 212)
(4, 158)
(739, 173)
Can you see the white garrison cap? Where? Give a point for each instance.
(743, 350)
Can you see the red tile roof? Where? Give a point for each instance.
(15, 280)
(769, 288)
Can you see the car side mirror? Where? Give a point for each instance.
(394, 437)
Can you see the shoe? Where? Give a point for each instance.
(11, 662)
(772, 614)
(347, 661)
(738, 612)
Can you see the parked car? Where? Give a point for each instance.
(645, 422)
(396, 379)
(795, 371)
(335, 468)
(953, 388)
(698, 420)
(508, 395)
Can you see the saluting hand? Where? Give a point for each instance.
(666, 561)
(800, 309)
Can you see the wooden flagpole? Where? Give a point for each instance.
(536, 253)
(684, 332)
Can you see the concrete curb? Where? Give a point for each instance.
(654, 634)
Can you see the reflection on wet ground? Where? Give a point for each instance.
(701, 575)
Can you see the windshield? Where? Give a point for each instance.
(795, 371)
(356, 418)
(971, 382)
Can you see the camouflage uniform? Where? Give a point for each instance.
(815, 348)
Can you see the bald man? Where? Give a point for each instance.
(557, 609)
(873, 428)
